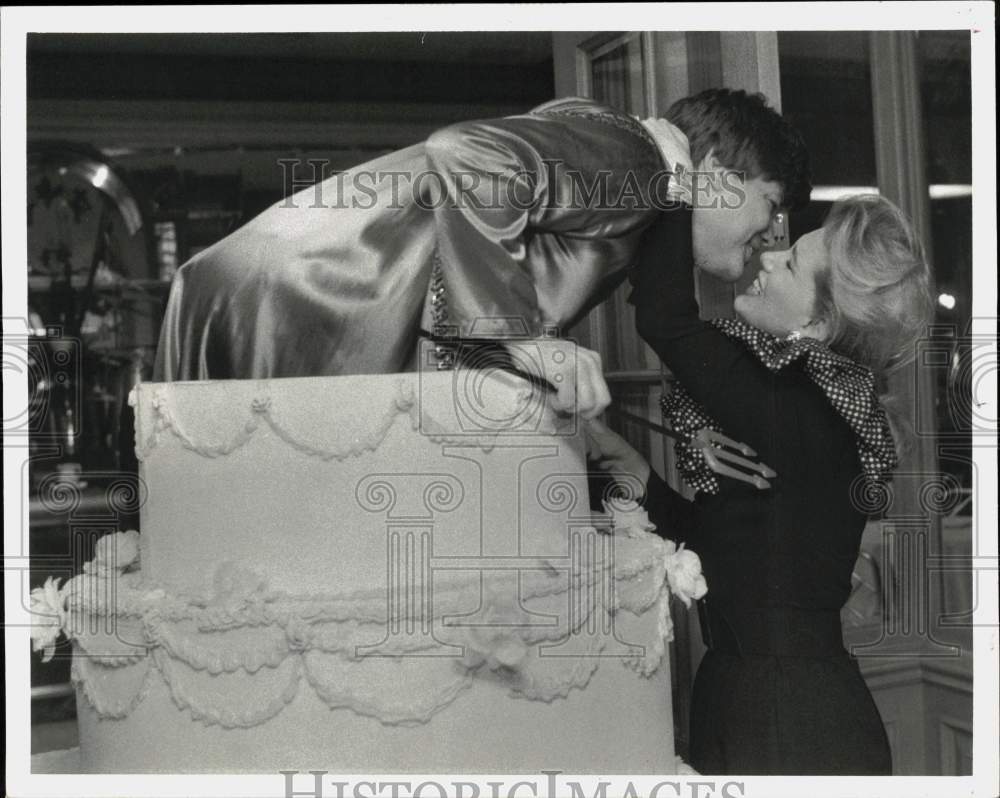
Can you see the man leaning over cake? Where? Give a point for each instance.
(502, 230)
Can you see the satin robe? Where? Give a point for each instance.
(335, 279)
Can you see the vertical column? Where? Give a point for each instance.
(900, 165)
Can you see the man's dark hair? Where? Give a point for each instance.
(746, 135)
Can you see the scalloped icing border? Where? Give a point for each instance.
(169, 646)
(404, 401)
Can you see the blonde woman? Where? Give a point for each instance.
(796, 377)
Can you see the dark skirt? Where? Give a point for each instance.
(770, 715)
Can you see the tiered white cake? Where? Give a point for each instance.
(370, 574)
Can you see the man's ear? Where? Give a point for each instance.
(709, 163)
(707, 179)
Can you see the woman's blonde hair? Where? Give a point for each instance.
(876, 294)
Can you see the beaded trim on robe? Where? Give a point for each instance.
(619, 120)
(444, 354)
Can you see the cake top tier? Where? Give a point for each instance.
(338, 417)
(308, 479)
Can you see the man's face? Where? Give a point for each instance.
(731, 214)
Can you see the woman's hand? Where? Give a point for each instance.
(611, 452)
(576, 374)
(716, 448)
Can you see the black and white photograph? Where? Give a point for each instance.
(500, 400)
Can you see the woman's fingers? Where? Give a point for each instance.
(711, 436)
(714, 460)
(744, 463)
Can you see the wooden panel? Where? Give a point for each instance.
(750, 62)
(667, 74)
(892, 733)
(955, 738)
(564, 47)
(704, 61)
(926, 706)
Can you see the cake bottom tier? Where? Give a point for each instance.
(620, 723)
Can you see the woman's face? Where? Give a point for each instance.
(782, 299)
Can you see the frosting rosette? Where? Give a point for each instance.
(48, 610)
(497, 648)
(236, 586)
(115, 552)
(684, 574)
(497, 642)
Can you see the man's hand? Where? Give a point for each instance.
(611, 452)
(575, 373)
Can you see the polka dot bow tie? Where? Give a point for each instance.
(849, 387)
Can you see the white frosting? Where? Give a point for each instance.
(366, 559)
(128, 628)
(507, 403)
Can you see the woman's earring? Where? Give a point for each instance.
(794, 335)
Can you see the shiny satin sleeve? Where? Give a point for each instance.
(537, 220)
(332, 280)
(540, 218)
